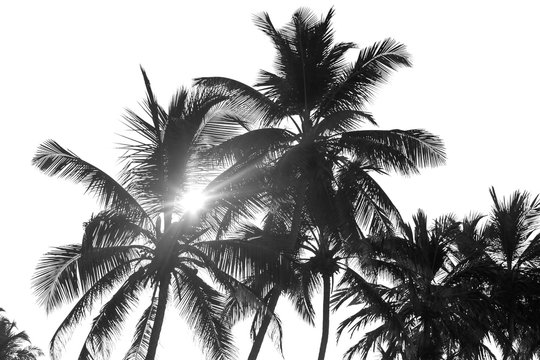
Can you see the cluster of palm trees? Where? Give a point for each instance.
(15, 344)
(289, 205)
(450, 286)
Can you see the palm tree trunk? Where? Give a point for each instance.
(257, 343)
(160, 315)
(326, 316)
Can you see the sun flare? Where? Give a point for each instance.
(193, 201)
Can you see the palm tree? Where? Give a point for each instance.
(15, 345)
(309, 113)
(433, 308)
(144, 238)
(514, 249)
(276, 265)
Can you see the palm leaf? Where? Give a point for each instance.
(202, 306)
(54, 160)
(107, 325)
(64, 272)
(143, 331)
(84, 306)
(397, 150)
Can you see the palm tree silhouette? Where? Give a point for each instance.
(309, 113)
(14, 344)
(434, 307)
(144, 239)
(514, 252)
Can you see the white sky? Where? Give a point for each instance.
(68, 69)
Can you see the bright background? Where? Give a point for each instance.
(68, 69)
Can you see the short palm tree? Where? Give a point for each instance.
(267, 249)
(431, 305)
(14, 344)
(309, 113)
(144, 241)
(514, 249)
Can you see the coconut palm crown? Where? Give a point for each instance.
(309, 113)
(14, 344)
(425, 295)
(144, 242)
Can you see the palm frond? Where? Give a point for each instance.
(371, 205)
(54, 160)
(64, 272)
(152, 106)
(303, 292)
(84, 306)
(56, 279)
(343, 121)
(255, 107)
(143, 331)
(202, 307)
(357, 83)
(110, 229)
(418, 148)
(106, 327)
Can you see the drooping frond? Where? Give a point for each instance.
(84, 306)
(56, 279)
(371, 206)
(202, 307)
(109, 229)
(255, 107)
(106, 327)
(262, 144)
(143, 331)
(65, 272)
(403, 151)
(54, 160)
(247, 253)
(302, 291)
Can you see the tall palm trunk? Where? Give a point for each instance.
(259, 338)
(326, 316)
(160, 315)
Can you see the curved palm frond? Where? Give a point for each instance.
(84, 306)
(107, 325)
(143, 331)
(65, 272)
(356, 83)
(110, 229)
(54, 160)
(203, 306)
(418, 148)
(371, 205)
(253, 105)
